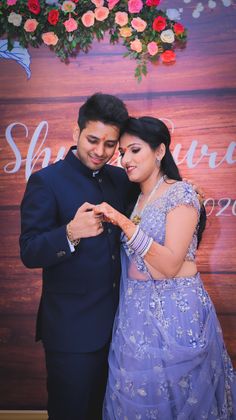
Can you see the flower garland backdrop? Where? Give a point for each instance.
(68, 27)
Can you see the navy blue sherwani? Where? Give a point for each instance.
(80, 289)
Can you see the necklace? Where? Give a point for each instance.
(136, 219)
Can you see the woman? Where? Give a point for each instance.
(167, 358)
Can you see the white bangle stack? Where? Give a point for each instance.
(140, 242)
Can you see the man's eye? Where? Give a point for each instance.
(93, 141)
(110, 145)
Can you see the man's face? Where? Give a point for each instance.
(96, 143)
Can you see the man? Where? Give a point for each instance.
(79, 255)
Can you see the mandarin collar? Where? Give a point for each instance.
(74, 161)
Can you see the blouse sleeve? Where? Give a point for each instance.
(182, 194)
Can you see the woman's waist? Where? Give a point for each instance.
(178, 280)
(167, 283)
(187, 269)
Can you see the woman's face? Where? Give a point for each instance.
(137, 158)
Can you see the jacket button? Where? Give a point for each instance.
(113, 257)
(61, 254)
(109, 230)
(114, 285)
(100, 180)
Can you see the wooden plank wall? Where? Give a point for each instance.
(197, 97)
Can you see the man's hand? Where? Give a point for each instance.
(113, 216)
(85, 223)
(109, 214)
(199, 190)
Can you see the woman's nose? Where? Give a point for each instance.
(125, 160)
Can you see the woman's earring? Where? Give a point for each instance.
(158, 161)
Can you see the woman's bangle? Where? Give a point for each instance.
(69, 234)
(140, 242)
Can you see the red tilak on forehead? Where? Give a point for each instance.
(103, 138)
(106, 137)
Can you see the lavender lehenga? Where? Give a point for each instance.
(167, 358)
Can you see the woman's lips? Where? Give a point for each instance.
(129, 169)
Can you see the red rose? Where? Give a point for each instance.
(159, 24)
(168, 56)
(53, 16)
(34, 6)
(152, 2)
(179, 28)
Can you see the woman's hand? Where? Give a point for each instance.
(198, 189)
(110, 215)
(113, 216)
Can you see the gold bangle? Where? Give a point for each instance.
(69, 234)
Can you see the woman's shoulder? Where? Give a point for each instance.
(182, 193)
(180, 187)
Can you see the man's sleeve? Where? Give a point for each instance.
(43, 242)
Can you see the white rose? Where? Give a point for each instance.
(15, 19)
(168, 36)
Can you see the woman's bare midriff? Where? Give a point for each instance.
(188, 269)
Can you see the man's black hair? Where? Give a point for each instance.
(105, 108)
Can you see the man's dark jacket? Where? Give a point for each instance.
(80, 289)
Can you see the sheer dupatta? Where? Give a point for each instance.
(167, 358)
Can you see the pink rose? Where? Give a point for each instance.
(49, 38)
(112, 3)
(88, 19)
(138, 24)
(70, 25)
(101, 13)
(152, 48)
(11, 2)
(121, 18)
(98, 3)
(30, 25)
(136, 45)
(134, 6)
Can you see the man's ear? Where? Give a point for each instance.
(76, 134)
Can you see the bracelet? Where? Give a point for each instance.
(140, 242)
(69, 234)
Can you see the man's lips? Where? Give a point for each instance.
(96, 160)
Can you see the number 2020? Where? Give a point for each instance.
(223, 203)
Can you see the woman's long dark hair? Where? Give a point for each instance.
(154, 132)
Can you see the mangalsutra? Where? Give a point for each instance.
(136, 218)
